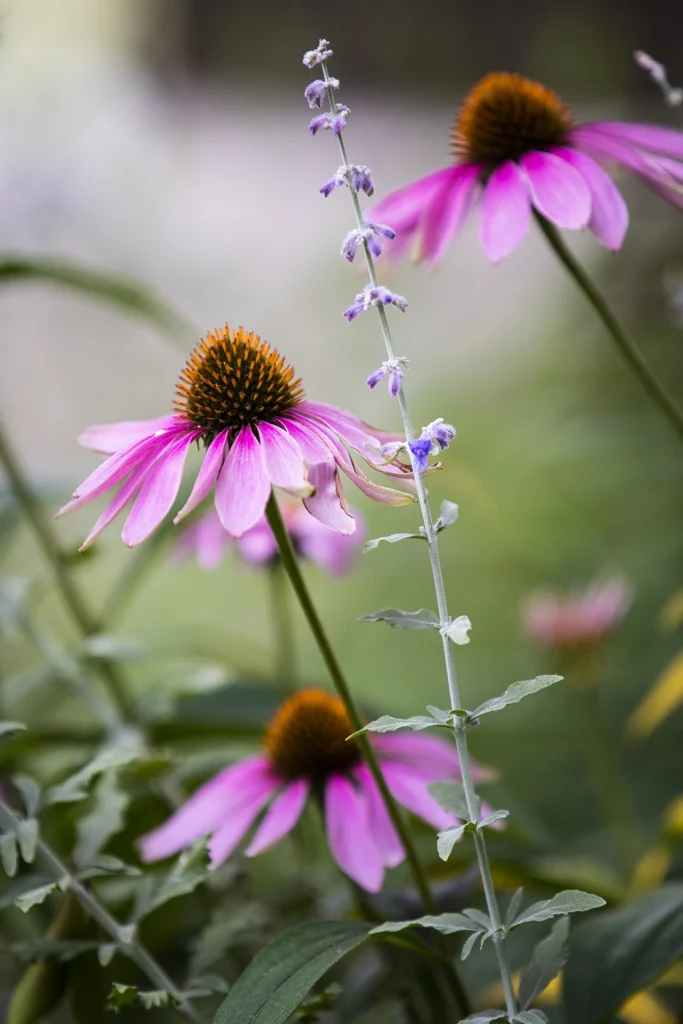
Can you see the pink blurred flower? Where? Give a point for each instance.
(334, 552)
(240, 399)
(517, 147)
(579, 618)
(306, 749)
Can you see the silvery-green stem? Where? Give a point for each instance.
(129, 946)
(442, 607)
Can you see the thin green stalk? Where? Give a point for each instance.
(283, 638)
(657, 392)
(291, 567)
(442, 604)
(73, 599)
(128, 945)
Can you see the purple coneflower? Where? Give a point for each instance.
(306, 752)
(515, 142)
(208, 541)
(238, 398)
(577, 619)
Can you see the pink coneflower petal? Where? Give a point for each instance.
(109, 438)
(427, 754)
(384, 834)
(205, 810)
(603, 146)
(411, 791)
(348, 833)
(225, 839)
(506, 211)
(448, 210)
(667, 141)
(116, 505)
(403, 208)
(327, 503)
(207, 475)
(558, 191)
(329, 549)
(158, 492)
(243, 486)
(609, 213)
(283, 460)
(258, 545)
(114, 469)
(281, 817)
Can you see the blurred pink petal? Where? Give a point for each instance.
(281, 817)
(506, 212)
(557, 189)
(348, 833)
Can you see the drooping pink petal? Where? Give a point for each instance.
(283, 460)
(281, 817)
(238, 822)
(447, 211)
(558, 191)
(609, 213)
(207, 475)
(356, 433)
(411, 791)
(108, 438)
(117, 504)
(327, 503)
(332, 550)
(672, 167)
(348, 832)
(506, 211)
(385, 835)
(666, 141)
(602, 146)
(205, 810)
(403, 209)
(206, 540)
(158, 492)
(431, 756)
(258, 545)
(243, 486)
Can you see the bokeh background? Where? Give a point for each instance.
(166, 140)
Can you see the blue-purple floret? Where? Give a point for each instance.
(374, 295)
(335, 122)
(367, 235)
(316, 92)
(421, 448)
(317, 56)
(393, 369)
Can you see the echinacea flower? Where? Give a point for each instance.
(334, 552)
(517, 146)
(577, 619)
(306, 753)
(239, 399)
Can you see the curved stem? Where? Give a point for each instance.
(130, 947)
(71, 595)
(283, 641)
(657, 392)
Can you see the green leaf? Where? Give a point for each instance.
(75, 787)
(485, 1017)
(8, 853)
(547, 960)
(389, 724)
(451, 797)
(27, 837)
(514, 694)
(530, 1017)
(281, 975)
(104, 865)
(22, 886)
(189, 871)
(395, 617)
(30, 793)
(513, 907)
(620, 952)
(47, 949)
(448, 514)
(106, 953)
(469, 944)
(571, 901)
(103, 821)
(490, 819)
(7, 728)
(447, 924)
(446, 840)
(479, 917)
(458, 630)
(34, 897)
(103, 647)
(122, 995)
(393, 538)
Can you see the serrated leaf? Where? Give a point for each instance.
(513, 906)
(571, 901)
(22, 885)
(530, 1017)
(8, 853)
(514, 694)
(448, 514)
(446, 840)
(190, 870)
(490, 819)
(106, 953)
(620, 952)
(451, 797)
(34, 897)
(398, 619)
(393, 538)
(122, 995)
(387, 723)
(104, 820)
(468, 944)
(447, 924)
(75, 787)
(27, 837)
(281, 975)
(152, 1000)
(547, 960)
(30, 793)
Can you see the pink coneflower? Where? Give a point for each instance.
(334, 552)
(306, 752)
(239, 398)
(577, 619)
(516, 142)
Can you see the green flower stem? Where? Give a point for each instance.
(129, 947)
(283, 639)
(71, 595)
(291, 567)
(657, 392)
(442, 606)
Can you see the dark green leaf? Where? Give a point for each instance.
(514, 694)
(396, 617)
(571, 901)
(620, 952)
(446, 840)
(393, 538)
(122, 995)
(451, 796)
(281, 975)
(447, 924)
(547, 960)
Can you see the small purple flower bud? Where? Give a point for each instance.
(350, 244)
(322, 121)
(393, 368)
(381, 229)
(421, 448)
(353, 311)
(374, 378)
(373, 245)
(338, 121)
(315, 93)
(441, 434)
(395, 381)
(321, 53)
(336, 182)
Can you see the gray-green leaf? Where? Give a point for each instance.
(27, 837)
(530, 1017)
(396, 617)
(189, 871)
(448, 514)
(8, 853)
(393, 538)
(485, 1017)
(387, 723)
(469, 944)
(104, 820)
(281, 975)
(7, 728)
(571, 901)
(35, 896)
(446, 840)
(451, 797)
(30, 793)
(547, 960)
(75, 787)
(514, 694)
(491, 818)
(447, 924)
